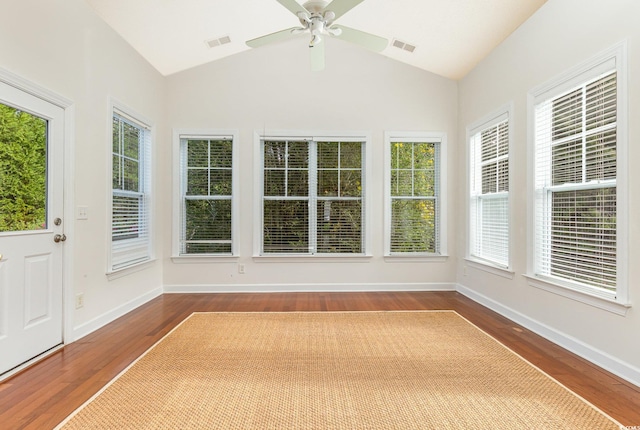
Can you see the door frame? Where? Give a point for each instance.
(68, 107)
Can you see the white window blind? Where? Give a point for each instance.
(312, 197)
(131, 205)
(415, 197)
(206, 166)
(575, 179)
(489, 199)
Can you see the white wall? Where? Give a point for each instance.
(562, 34)
(272, 88)
(63, 46)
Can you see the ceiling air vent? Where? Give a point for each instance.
(403, 45)
(219, 41)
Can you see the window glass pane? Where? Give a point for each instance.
(274, 183)
(350, 183)
(126, 217)
(298, 155)
(413, 225)
(403, 185)
(197, 182)
(567, 162)
(601, 102)
(131, 175)
(339, 226)
(489, 172)
(328, 182)
(207, 220)
(424, 183)
(286, 226)
(115, 136)
(298, 183)
(503, 175)
(220, 182)
(328, 155)
(131, 141)
(567, 115)
(601, 156)
(275, 154)
(117, 172)
(401, 155)
(583, 236)
(23, 170)
(350, 155)
(489, 147)
(424, 155)
(503, 139)
(221, 153)
(207, 248)
(197, 153)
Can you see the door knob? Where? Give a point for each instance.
(59, 238)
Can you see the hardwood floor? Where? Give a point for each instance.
(44, 394)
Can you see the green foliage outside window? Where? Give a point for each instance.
(23, 170)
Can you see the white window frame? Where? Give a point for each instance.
(503, 113)
(348, 136)
(618, 301)
(442, 222)
(138, 246)
(178, 194)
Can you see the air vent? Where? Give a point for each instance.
(219, 41)
(403, 45)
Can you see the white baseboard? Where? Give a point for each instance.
(90, 326)
(600, 358)
(290, 288)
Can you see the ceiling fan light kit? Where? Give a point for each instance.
(317, 18)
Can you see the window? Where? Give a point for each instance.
(131, 198)
(206, 195)
(578, 146)
(312, 201)
(414, 192)
(489, 191)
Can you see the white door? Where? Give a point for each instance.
(31, 226)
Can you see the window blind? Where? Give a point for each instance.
(131, 206)
(576, 139)
(206, 166)
(415, 194)
(312, 197)
(489, 203)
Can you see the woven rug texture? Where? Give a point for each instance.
(333, 370)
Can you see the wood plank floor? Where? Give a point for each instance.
(44, 394)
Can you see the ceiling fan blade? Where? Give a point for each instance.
(340, 7)
(293, 6)
(316, 55)
(366, 40)
(270, 38)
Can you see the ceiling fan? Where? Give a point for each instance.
(317, 18)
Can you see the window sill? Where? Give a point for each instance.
(605, 301)
(192, 259)
(125, 271)
(292, 258)
(415, 258)
(490, 268)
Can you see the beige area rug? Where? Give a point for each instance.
(333, 370)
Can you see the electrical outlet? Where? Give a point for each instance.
(464, 270)
(241, 269)
(79, 300)
(83, 213)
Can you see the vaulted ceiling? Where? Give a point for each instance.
(450, 36)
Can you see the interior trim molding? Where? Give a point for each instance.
(310, 288)
(90, 326)
(600, 358)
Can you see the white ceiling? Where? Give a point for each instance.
(451, 36)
